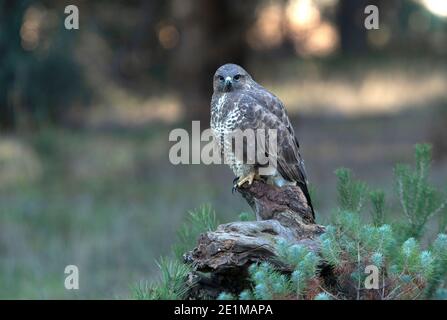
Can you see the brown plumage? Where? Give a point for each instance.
(239, 102)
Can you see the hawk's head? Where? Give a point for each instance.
(230, 77)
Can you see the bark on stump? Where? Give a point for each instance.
(222, 257)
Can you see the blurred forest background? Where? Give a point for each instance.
(85, 116)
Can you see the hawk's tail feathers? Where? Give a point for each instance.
(305, 190)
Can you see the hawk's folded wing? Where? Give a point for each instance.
(258, 116)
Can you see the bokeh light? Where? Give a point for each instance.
(30, 30)
(438, 7)
(267, 31)
(168, 36)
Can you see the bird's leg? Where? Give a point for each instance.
(240, 181)
(248, 178)
(234, 184)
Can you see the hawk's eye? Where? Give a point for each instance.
(237, 77)
(220, 78)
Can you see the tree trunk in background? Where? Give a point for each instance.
(11, 54)
(350, 19)
(211, 33)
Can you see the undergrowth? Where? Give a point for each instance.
(375, 259)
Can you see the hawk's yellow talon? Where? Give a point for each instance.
(248, 178)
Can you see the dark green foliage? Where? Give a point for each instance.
(408, 268)
(405, 270)
(418, 198)
(377, 198)
(351, 194)
(268, 283)
(438, 280)
(200, 220)
(247, 216)
(141, 291)
(53, 84)
(225, 296)
(323, 296)
(42, 83)
(171, 286)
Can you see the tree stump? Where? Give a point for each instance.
(222, 257)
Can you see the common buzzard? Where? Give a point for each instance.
(239, 103)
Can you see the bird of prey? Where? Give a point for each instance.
(239, 103)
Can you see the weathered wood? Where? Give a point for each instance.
(287, 204)
(236, 245)
(222, 257)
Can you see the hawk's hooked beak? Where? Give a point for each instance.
(228, 83)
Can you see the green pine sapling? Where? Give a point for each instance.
(418, 198)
